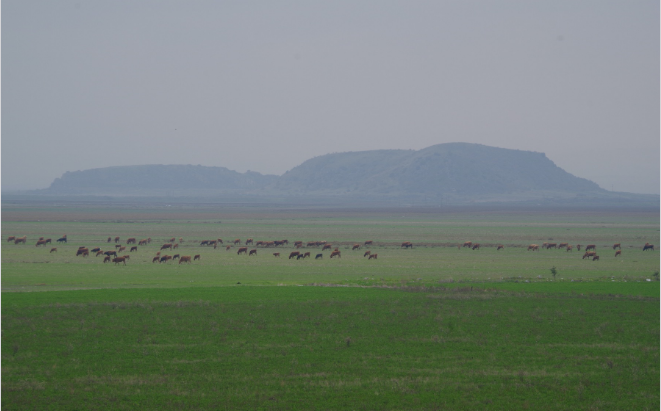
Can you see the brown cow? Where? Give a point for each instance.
(617, 245)
(197, 257)
(533, 247)
(106, 259)
(40, 242)
(276, 254)
(500, 247)
(570, 247)
(172, 240)
(406, 244)
(336, 253)
(82, 251)
(153, 260)
(368, 252)
(648, 246)
(54, 249)
(185, 259)
(109, 239)
(134, 248)
(116, 239)
(130, 240)
(23, 240)
(220, 241)
(298, 243)
(11, 238)
(98, 253)
(355, 247)
(578, 247)
(618, 252)
(127, 257)
(293, 254)
(174, 257)
(374, 256)
(368, 242)
(237, 241)
(252, 252)
(228, 248)
(142, 242)
(121, 249)
(551, 245)
(306, 255)
(311, 244)
(48, 241)
(118, 245)
(326, 247)
(595, 258)
(563, 245)
(175, 246)
(476, 246)
(242, 250)
(468, 244)
(249, 241)
(166, 246)
(164, 259)
(118, 260)
(589, 254)
(590, 247)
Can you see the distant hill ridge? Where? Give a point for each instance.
(451, 170)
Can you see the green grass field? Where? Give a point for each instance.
(433, 327)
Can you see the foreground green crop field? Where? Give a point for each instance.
(433, 327)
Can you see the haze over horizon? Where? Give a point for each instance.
(265, 86)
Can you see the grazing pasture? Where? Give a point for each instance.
(433, 326)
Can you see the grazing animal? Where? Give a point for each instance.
(318, 256)
(82, 251)
(406, 244)
(551, 245)
(533, 247)
(368, 242)
(373, 256)
(228, 248)
(590, 247)
(276, 254)
(500, 247)
(166, 246)
(175, 246)
(648, 247)
(118, 260)
(130, 240)
(40, 242)
(242, 250)
(293, 254)
(589, 254)
(23, 240)
(121, 249)
(299, 245)
(570, 247)
(106, 259)
(174, 257)
(95, 249)
(326, 247)
(164, 259)
(476, 246)
(355, 247)
(204, 242)
(368, 252)
(468, 244)
(563, 245)
(62, 240)
(116, 239)
(249, 241)
(220, 241)
(617, 245)
(118, 245)
(98, 253)
(578, 247)
(595, 257)
(54, 249)
(109, 253)
(109, 239)
(300, 256)
(618, 252)
(237, 241)
(336, 253)
(252, 252)
(11, 238)
(185, 259)
(306, 255)
(197, 257)
(172, 240)
(134, 248)
(311, 244)
(153, 260)
(127, 257)
(48, 241)
(142, 242)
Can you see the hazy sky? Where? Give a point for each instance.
(266, 85)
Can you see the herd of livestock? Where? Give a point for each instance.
(590, 250)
